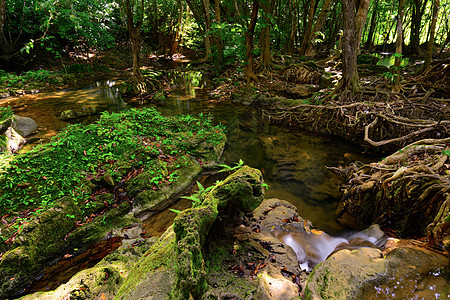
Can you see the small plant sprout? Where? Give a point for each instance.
(227, 168)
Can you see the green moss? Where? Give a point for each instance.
(178, 256)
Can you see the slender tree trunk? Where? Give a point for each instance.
(361, 18)
(429, 53)
(308, 29)
(6, 47)
(218, 36)
(349, 80)
(134, 30)
(266, 58)
(318, 26)
(294, 21)
(178, 36)
(415, 27)
(369, 42)
(249, 74)
(398, 50)
(208, 52)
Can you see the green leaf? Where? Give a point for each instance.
(175, 210)
(200, 187)
(192, 198)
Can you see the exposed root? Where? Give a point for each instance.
(303, 73)
(408, 191)
(385, 121)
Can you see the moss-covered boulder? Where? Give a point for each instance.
(104, 279)
(175, 266)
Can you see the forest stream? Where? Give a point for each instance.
(293, 162)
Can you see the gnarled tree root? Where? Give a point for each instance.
(408, 191)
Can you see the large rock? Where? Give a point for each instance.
(404, 270)
(103, 279)
(24, 125)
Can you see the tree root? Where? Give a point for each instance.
(409, 191)
(393, 123)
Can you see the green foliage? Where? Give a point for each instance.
(6, 113)
(227, 168)
(61, 167)
(33, 78)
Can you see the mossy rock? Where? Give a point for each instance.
(104, 278)
(174, 267)
(149, 200)
(31, 253)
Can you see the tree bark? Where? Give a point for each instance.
(249, 74)
(218, 36)
(208, 52)
(4, 45)
(398, 49)
(134, 30)
(307, 34)
(349, 80)
(318, 26)
(294, 20)
(415, 27)
(266, 58)
(429, 53)
(361, 17)
(373, 23)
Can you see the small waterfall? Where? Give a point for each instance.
(313, 246)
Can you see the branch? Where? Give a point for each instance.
(399, 139)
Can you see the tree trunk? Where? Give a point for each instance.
(218, 36)
(361, 17)
(398, 50)
(294, 20)
(249, 74)
(307, 34)
(208, 52)
(429, 53)
(134, 30)
(3, 42)
(373, 23)
(349, 80)
(415, 27)
(266, 58)
(318, 26)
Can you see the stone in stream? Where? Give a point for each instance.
(24, 125)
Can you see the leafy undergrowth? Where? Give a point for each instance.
(85, 161)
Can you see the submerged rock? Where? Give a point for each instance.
(74, 114)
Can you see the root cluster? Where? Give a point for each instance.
(408, 191)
